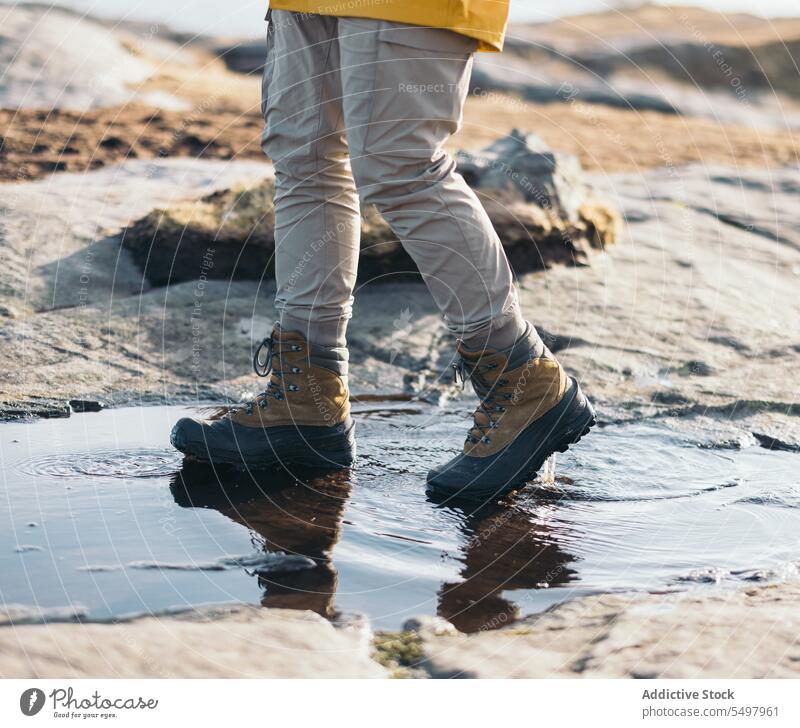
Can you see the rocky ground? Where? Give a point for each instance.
(693, 307)
(750, 633)
(691, 317)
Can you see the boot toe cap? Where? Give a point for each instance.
(453, 478)
(187, 435)
(470, 478)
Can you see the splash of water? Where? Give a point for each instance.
(547, 474)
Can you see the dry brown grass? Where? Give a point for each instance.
(36, 143)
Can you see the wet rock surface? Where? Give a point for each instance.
(601, 636)
(24, 409)
(86, 405)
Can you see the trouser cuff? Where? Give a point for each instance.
(327, 341)
(499, 334)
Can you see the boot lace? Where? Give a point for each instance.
(271, 365)
(484, 419)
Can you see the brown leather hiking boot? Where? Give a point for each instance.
(529, 409)
(302, 417)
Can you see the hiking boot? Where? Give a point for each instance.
(302, 417)
(529, 409)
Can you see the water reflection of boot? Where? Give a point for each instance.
(297, 517)
(506, 549)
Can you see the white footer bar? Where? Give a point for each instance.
(401, 703)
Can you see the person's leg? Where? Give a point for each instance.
(317, 221)
(303, 414)
(404, 88)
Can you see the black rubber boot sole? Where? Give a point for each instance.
(474, 478)
(223, 442)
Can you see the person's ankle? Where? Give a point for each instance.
(327, 344)
(499, 335)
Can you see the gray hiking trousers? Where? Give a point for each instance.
(357, 111)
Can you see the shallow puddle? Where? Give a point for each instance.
(102, 515)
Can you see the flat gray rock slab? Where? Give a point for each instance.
(238, 643)
(709, 633)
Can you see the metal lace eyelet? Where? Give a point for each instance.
(295, 347)
(297, 370)
(485, 439)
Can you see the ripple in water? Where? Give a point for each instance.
(136, 463)
(267, 563)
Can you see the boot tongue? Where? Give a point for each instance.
(483, 366)
(290, 346)
(283, 354)
(473, 355)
